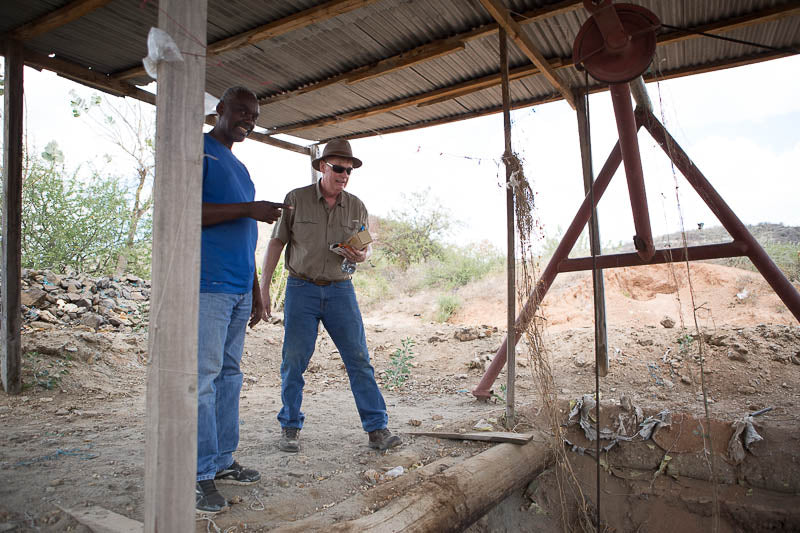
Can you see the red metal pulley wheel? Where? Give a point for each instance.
(616, 62)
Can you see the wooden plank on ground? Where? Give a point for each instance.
(101, 520)
(488, 436)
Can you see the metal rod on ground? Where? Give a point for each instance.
(11, 363)
(782, 286)
(600, 329)
(482, 390)
(511, 265)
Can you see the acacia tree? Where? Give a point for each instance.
(416, 232)
(69, 223)
(131, 128)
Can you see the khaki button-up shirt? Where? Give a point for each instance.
(311, 227)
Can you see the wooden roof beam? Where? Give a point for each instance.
(677, 73)
(445, 92)
(81, 74)
(478, 84)
(55, 19)
(211, 120)
(437, 48)
(286, 145)
(526, 45)
(720, 26)
(272, 29)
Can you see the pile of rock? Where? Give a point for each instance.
(99, 304)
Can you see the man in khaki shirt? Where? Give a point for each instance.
(319, 289)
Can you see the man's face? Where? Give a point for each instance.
(335, 182)
(237, 117)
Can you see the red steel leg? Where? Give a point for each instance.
(482, 391)
(782, 286)
(629, 143)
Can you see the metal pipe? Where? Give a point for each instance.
(483, 391)
(510, 259)
(782, 286)
(629, 143)
(671, 255)
(640, 96)
(600, 326)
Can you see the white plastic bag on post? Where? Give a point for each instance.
(160, 47)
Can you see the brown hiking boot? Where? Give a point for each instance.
(290, 440)
(382, 439)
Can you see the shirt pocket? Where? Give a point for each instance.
(306, 229)
(347, 229)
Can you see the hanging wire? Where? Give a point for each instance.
(705, 432)
(594, 284)
(788, 49)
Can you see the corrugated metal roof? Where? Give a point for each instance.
(112, 39)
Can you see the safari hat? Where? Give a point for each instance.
(338, 147)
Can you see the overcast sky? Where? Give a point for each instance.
(738, 125)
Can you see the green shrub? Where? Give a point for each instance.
(414, 233)
(371, 285)
(399, 370)
(447, 305)
(459, 266)
(71, 223)
(786, 256)
(277, 285)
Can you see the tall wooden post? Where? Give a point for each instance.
(12, 218)
(511, 367)
(171, 440)
(600, 330)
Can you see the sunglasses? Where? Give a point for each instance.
(338, 169)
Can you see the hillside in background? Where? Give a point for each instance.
(764, 232)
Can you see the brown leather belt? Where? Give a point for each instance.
(320, 283)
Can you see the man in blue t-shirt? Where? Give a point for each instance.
(229, 295)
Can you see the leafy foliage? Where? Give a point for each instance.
(130, 127)
(447, 304)
(459, 266)
(70, 223)
(416, 232)
(277, 285)
(399, 370)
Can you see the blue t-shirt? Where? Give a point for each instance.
(227, 258)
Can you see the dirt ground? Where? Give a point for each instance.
(80, 443)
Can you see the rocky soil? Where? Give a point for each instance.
(75, 437)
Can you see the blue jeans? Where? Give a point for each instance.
(223, 320)
(335, 305)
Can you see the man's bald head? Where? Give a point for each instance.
(236, 90)
(238, 112)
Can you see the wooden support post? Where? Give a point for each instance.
(600, 329)
(510, 260)
(12, 218)
(171, 431)
(313, 153)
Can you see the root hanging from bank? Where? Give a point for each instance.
(527, 229)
